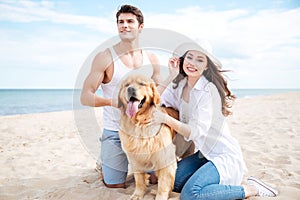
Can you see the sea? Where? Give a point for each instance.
(26, 101)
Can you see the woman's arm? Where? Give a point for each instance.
(173, 72)
(199, 121)
(178, 126)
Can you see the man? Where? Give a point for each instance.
(108, 69)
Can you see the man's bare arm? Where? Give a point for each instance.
(88, 95)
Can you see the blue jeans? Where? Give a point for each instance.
(198, 178)
(113, 158)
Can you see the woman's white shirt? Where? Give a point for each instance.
(209, 130)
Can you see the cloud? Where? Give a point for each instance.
(238, 30)
(54, 48)
(251, 43)
(43, 61)
(47, 11)
(248, 42)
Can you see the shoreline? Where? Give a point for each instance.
(44, 101)
(86, 107)
(52, 155)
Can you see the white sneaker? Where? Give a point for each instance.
(263, 189)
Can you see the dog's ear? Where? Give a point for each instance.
(156, 95)
(120, 103)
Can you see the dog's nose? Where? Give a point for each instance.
(131, 91)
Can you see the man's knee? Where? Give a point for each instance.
(113, 178)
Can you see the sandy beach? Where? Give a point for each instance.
(48, 155)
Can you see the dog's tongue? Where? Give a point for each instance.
(132, 108)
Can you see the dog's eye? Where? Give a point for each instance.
(127, 84)
(142, 84)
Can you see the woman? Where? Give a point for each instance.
(201, 96)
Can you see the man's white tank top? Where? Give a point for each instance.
(111, 115)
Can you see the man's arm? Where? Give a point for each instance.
(96, 76)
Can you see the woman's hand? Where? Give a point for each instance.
(159, 117)
(174, 66)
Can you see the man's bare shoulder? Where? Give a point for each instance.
(103, 60)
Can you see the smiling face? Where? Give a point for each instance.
(136, 94)
(128, 26)
(194, 64)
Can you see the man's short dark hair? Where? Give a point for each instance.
(133, 10)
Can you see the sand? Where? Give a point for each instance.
(53, 155)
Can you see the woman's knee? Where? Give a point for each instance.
(191, 192)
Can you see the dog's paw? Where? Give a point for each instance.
(136, 197)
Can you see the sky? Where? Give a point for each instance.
(44, 44)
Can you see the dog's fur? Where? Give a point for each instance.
(148, 147)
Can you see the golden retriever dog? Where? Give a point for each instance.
(148, 147)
